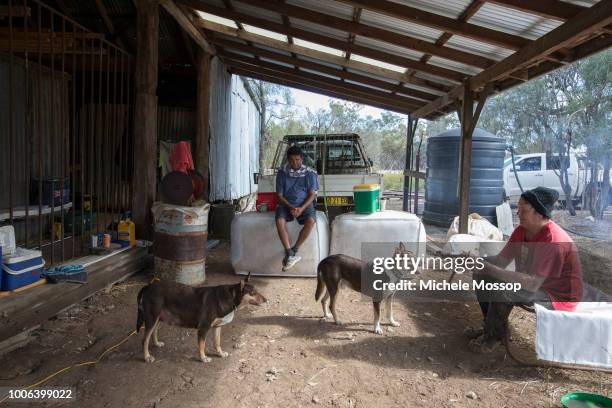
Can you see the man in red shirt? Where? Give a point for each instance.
(546, 265)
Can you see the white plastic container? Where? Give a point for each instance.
(256, 247)
(350, 230)
(7, 240)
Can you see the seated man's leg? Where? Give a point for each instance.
(282, 216)
(495, 307)
(308, 220)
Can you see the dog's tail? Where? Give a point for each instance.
(140, 319)
(321, 288)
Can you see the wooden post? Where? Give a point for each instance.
(416, 180)
(145, 115)
(465, 160)
(202, 115)
(407, 167)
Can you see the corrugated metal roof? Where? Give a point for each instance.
(332, 8)
(448, 8)
(256, 12)
(490, 15)
(328, 64)
(584, 3)
(318, 29)
(318, 73)
(437, 79)
(457, 66)
(513, 21)
(239, 52)
(369, 75)
(399, 26)
(277, 62)
(476, 47)
(265, 47)
(368, 86)
(386, 47)
(423, 89)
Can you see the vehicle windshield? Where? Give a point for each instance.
(336, 156)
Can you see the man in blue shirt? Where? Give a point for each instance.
(296, 186)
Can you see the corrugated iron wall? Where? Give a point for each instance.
(175, 124)
(66, 145)
(234, 136)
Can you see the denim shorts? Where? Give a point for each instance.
(284, 212)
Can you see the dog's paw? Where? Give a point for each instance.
(394, 323)
(339, 323)
(325, 318)
(378, 330)
(149, 358)
(222, 354)
(159, 344)
(205, 359)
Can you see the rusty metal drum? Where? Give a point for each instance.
(180, 240)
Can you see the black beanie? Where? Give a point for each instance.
(542, 199)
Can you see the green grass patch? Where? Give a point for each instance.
(395, 181)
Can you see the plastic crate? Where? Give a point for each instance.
(51, 191)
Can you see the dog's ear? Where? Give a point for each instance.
(247, 278)
(401, 247)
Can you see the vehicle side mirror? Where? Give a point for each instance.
(371, 162)
(511, 171)
(255, 178)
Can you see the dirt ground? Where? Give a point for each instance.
(281, 355)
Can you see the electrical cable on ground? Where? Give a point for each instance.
(84, 363)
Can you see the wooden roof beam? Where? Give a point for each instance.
(443, 23)
(319, 68)
(391, 37)
(587, 22)
(186, 23)
(446, 73)
(315, 89)
(469, 11)
(323, 56)
(306, 77)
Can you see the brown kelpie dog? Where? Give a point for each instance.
(339, 270)
(201, 308)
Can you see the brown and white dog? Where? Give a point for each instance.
(339, 270)
(201, 308)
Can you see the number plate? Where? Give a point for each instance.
(337, 200)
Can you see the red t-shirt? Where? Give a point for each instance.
(552, 254)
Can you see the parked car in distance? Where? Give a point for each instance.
(539, 169)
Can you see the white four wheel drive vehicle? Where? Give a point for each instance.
(339, 159)
(539, 169)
